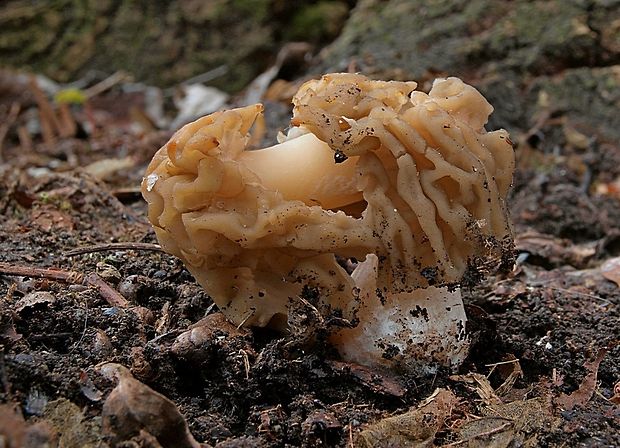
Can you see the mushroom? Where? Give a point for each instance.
(408, 183)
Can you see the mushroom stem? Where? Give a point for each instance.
(303, 168)
(419, 329)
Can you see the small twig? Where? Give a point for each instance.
(8, 122)
(106, 84)
(113, 246)
(53, 274)
(50, 125)
(106, 291)
(495, 364)
(207, 76)
(351, 436)
(164, 335)
(313, 308)
(68, 126)
(43, 337)
(245, 319)
(481, 435)
(25, 140)
(578, 293)
(111, 295)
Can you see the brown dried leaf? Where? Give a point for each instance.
(587, 387)
(133, 407)
(611, 270)
(575, 138)
(482, 386)
(416, 428)
(102, 169)
(162, 324)
(88, 388)
(610, 188)
(282, 91)
(47, 218)
(72, 426)
(320, 422)
(8, 332)
(553, 251)
(33, 299)
(487, 432)
(511, 424)
(378, 381)
(510, 372)
(507, 291)
(16, 433)
(198, 342)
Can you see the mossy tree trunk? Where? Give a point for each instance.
(158, 42)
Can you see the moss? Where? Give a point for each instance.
(509, 50)
(158, 42)
(319, 22)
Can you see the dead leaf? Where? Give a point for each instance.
(415, 429)
(8, 332)
(133, 407)
(510, 370)
(270, 422)
(33, 299)
(482, 386)
(377, 381)
(576, 138)
(320, 422)
(88, 388)
(611, 270)
(47, 218)
(506, 425)
(282, 91)
(102, 169)
(73, 427)
(162, 324)
(609, 189)
(587, 387)
(546, 250)
(507, 291)
(489, 432)
(198, 343)
(196, 100)
(16, 433)
(293, 52)
(616, 398)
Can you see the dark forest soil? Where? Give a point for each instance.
(543, 369)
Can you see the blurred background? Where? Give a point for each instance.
(181, 59)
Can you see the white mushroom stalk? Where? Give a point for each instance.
(409, 183)
(418, 330)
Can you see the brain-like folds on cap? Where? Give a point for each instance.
(424, 190)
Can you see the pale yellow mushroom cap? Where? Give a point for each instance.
(421, 185)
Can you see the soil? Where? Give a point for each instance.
(544, 367)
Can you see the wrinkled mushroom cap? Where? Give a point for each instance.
(379, 168)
